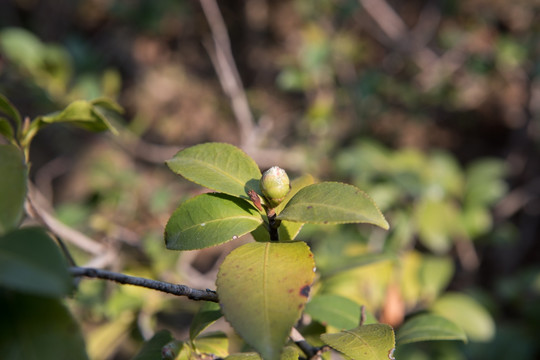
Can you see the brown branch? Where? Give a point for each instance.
(174, 289)
(312, 352)
(227, 71)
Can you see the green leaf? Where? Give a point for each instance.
(435, 275)
(11, 111)
(287, 231)
(428, 327)
(12, 187)
(263, 288)
(30, 262)
(151, 349)
(208, 314)
(334, 310)
(296, 186)
(467, 314)
(437, 222)
(81, 113)
(38, 328)
(332, 203)
(290, 353)
(220, 167)
(108, 104)
(215, 343)
(208, 220)
(6, 129)
(367, 342)
(356, 261)
(244, 356)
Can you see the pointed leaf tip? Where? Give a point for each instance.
(333, 203)
(218, 166)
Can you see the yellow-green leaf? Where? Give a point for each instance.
(220, 167)
(263, 288)
(367, 342)
(208, 220)
(332, 203)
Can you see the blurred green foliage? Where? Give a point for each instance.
(437, 144)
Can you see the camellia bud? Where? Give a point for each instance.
(275, 185)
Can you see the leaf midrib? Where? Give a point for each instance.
(213, 167)
(254, 218)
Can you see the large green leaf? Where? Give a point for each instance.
(208, 220)
(11, 111)
(334, 310)
(332, 203)
(38, 328)
(30, 262)
(151, 349)
(12, 187)
(220, 167)
(81, 113)
(263, 288)
(427, 327)
(296, 185)
(467, 314)
(367, 342)
(208, 313)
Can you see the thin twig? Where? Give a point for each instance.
(227, 71)
(34, 200)
(312, 352)
(169, 288)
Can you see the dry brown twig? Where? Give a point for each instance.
(399, 36)
(227, 72)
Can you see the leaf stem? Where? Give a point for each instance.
(174, 289)
(273, 225)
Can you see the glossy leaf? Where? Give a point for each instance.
(208, 220)
(11, 111)
(296, 186)
(467, 314)
(12, 187)
(334, 310)
(151, 349)
(263, 288)
(367, 342)
(38, 328)
(208, 314)
(220, 167)
(215, 343)
(31, 262)
(428, 327)
(332, 203)
(81, 113)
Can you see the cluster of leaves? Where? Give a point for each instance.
(276, 275)
(53, 69)
(34, 272)
(263, 286)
